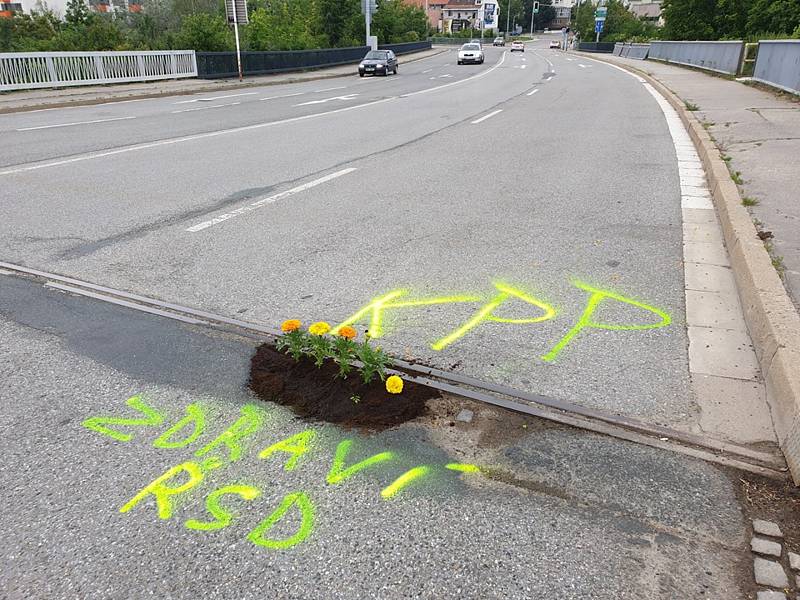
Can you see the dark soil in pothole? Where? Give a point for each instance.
(316, 393)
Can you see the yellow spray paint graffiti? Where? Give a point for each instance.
(170, 488)
(373, 313)
(486, 313)
(381, 303)
(585, 321)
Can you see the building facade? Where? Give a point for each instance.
(481, 15)
(8, 9)
(563, 13)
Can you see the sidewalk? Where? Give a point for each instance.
(75, 96)
(760, 132)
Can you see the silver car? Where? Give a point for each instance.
(470, 53)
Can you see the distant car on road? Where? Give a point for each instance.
(498, 41)
(479, 42)
(555, 44)
(515, 45)
(470, 53)
(378, 62)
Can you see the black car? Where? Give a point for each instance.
(378, 62)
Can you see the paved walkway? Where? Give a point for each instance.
(53, 98)
(760, 132)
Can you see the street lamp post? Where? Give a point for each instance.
(367, 20)
(508, 17)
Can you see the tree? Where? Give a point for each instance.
(396, 22)
(543, 18)
(516, 15)
(731, 18)
(77, 13)
(773, 16)
(206, 33)
(338, 21)
(284, 25)
(689, 19)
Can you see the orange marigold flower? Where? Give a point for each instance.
(319, 328)
(290, 325)
(347, 332)
(394, 384)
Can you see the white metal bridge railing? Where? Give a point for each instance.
(29, 70)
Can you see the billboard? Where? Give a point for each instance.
(490, 16)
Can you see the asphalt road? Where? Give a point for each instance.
(533, 169)
(536, 181)
(567, 515)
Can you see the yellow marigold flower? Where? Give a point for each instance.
(319, 328)
(394, 384)
(347, 332)
(290, 325)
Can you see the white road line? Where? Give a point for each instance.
(283, 96)
(269, 200)
(572, 59)
(582, 66)
(447, 85)
(174, 112)
(216, 98)
(324, 100)
(341, 87)
(532, 92)
(523, 66)
(75, 123)
(427, 71)
(484, 117)
(188, 138)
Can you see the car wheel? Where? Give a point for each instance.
(395, 70)
(459, 62)
(360, 74)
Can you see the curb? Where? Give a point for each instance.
(197, 90)
(772, 321)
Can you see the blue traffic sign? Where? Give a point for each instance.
(598, 26)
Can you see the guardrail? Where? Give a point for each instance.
(721, 57)
(778, 64)
(218, 65)
(605, 47)
(30, 70)
(486, 41)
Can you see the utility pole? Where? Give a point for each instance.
(367, 20)
(236, 11)
(534, 10)
(508, 17)
(238, 48)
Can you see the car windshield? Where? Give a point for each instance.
(376, 55)
(470, 47)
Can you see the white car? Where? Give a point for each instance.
(555, 44)
(470, 53)
(517, 46)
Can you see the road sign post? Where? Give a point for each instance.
(600, 15)
(236, 11)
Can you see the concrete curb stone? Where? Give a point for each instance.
(771, 318)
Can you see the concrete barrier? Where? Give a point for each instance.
(778, 64)
(638, 51)
(720, 57)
